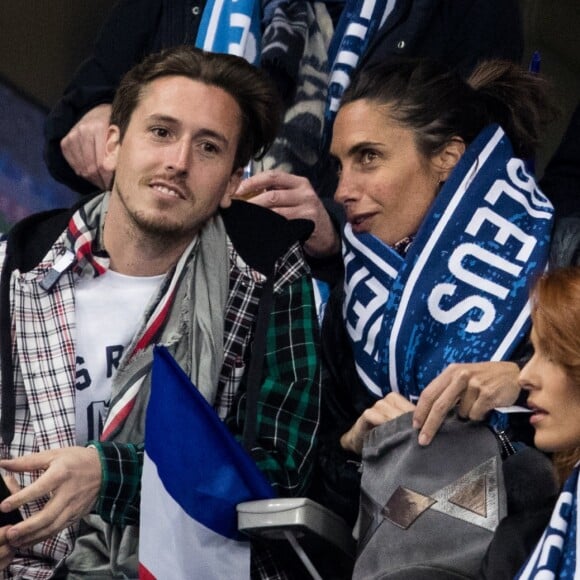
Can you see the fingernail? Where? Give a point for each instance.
(416, 424)
(6, 506)
(423, 439)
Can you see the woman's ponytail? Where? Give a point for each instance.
(518, 100)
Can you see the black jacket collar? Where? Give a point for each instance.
(261, 236)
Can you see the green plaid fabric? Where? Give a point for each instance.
(121, 466)
(289, 401)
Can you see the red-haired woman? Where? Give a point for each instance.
(552, 379)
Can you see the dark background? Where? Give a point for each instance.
(43, 41)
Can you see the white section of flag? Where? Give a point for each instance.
(175, 546)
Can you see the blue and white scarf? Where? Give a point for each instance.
(461, 292)
(231, 28)
(358, 23)
(555, 556)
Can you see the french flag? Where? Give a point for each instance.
(194, 475)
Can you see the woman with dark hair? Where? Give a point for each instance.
(552, 380)
(446, 232)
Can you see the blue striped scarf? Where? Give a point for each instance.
(555, 556)
(235, 28)
(461, 292)
(358, 23)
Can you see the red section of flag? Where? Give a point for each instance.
(144, 574)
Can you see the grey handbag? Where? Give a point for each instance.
(428, 512)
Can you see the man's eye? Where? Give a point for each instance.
(160, 132)
(209, 147)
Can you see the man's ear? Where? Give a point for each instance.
(448, 157)
(112, 144)
(232, 187)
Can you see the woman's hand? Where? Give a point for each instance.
(386, 409)
(293, 197)
(475, 388)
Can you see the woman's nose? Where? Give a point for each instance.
(527, 377)
(344, 190)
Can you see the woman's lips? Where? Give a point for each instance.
(360, 223)
(537, 414)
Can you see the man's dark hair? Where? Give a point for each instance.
(256, 96)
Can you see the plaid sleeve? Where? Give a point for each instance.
(289, 401)
(120, 493)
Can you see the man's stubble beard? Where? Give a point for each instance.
(158, 231)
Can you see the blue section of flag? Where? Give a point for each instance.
(200, 463)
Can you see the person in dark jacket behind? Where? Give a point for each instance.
(307, 48)
(87, 294)
(561, 179)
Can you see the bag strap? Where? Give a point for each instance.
(256, 363)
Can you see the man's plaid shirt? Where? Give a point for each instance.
(287, 419)
(288, 410)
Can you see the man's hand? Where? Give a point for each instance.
(84, 146)
(476, 388)
(293, 197)
(386, 409)
(72, 479)
(6, 550)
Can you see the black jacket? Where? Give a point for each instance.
(561, 180)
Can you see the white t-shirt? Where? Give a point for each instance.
(109, 310)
